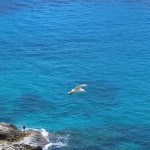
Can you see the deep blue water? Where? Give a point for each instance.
(47, 47)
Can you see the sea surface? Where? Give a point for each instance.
(47, 47)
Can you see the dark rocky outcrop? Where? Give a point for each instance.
(13, 139)
(19, 147)
(9, 132)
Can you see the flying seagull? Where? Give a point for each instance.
(77, 89)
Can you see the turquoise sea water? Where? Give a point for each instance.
(47, 47)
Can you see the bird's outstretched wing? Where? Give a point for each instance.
(79, 86)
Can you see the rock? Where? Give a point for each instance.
(13, 139)
(34, 138)
(19, 147)
(9, 132)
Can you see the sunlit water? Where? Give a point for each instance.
(47, 47)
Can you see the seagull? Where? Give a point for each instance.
(77, 89)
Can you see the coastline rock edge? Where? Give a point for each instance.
(11, 138)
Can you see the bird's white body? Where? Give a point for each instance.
(77, 89)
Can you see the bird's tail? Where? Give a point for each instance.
(83, 90)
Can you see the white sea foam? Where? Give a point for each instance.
(56, 141)
(53, 140)
(60, 141)
(45, 134)
(57, 144)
